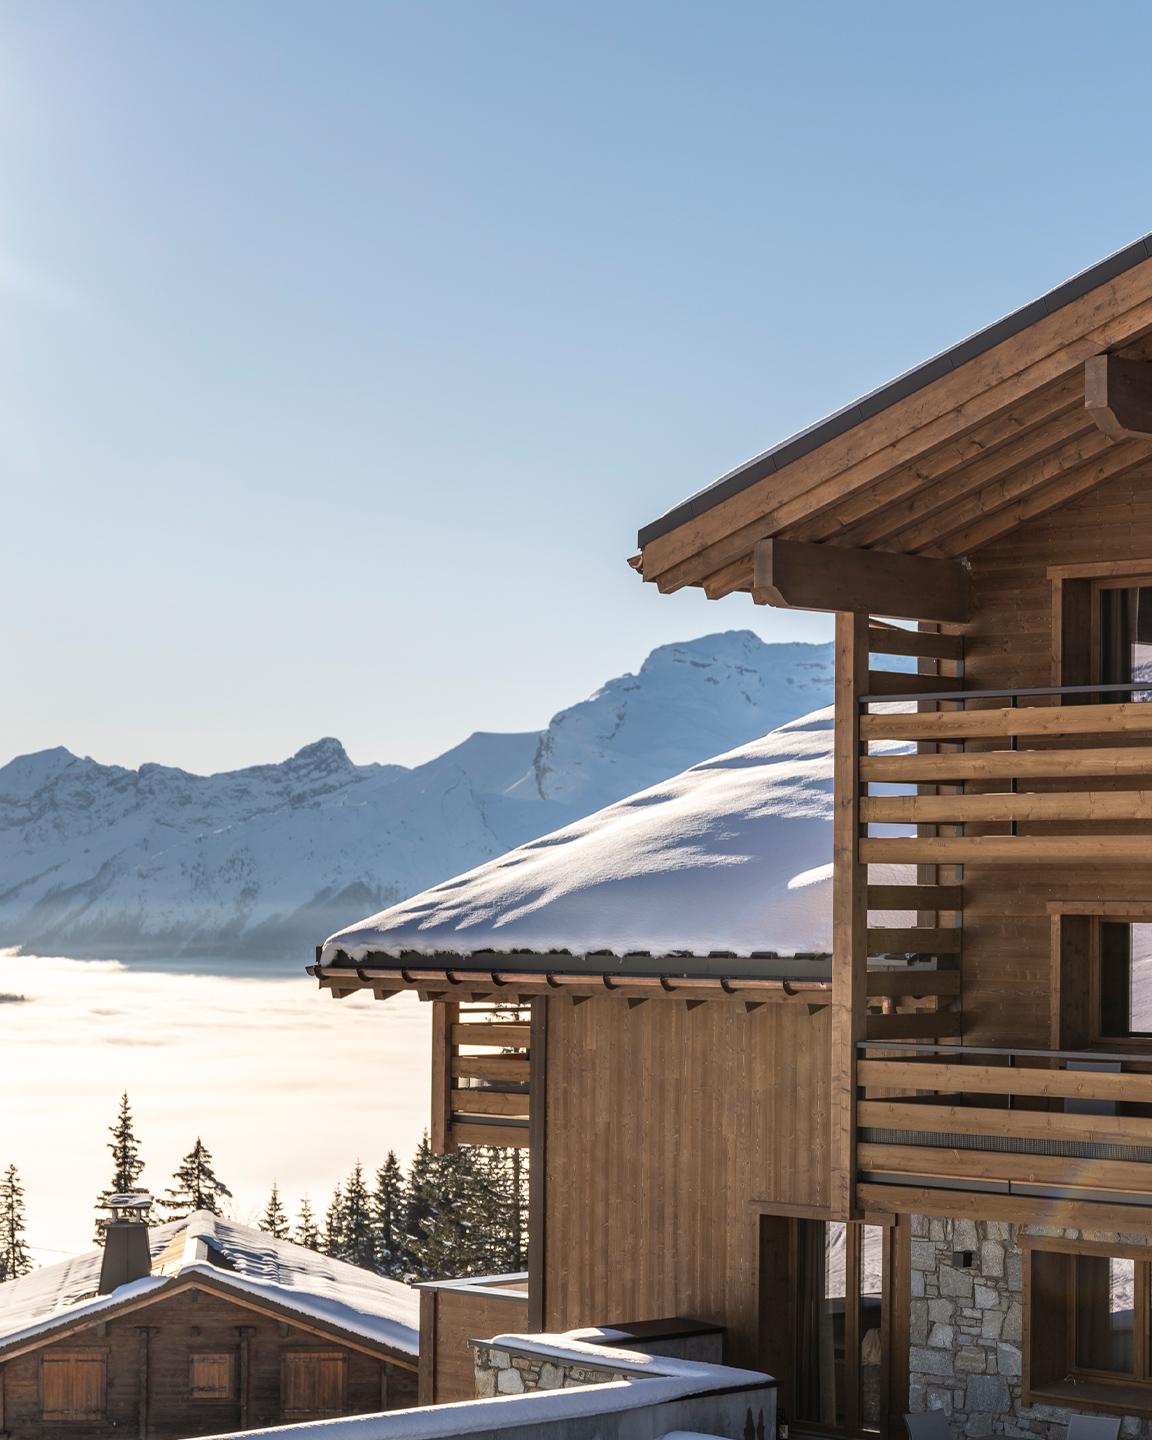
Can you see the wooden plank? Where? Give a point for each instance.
(508, 1136)
(1004, 765)
(900, 682)
(506, 1034)
(959, 1164)
(490, 1067)
(895, 983)
(1127, 718)
(798, 575)
(924, 1025)
(915, 940)
(915, 897)
(1019, 1209)
(444, 1017)
(1009, 849)
(1118, 396)
(490, 1102)
(1013, 1124)
(849, 910)
(952, 809)
(927, 644)
(963, 1079)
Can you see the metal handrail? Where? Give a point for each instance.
(1007, 694)
(956, 1052)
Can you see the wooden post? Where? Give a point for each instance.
(849, 910)
(144, 1333)
(245, 1332)
(445, 1014)
(537, 1162)
(426, 1374)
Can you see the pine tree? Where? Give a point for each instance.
(127, 1165)
(195, 1186)
(275, 1217)
(448, 1235)
(14, 1257)
(333, 1241)
(359, 1233)
(388, 1202)
(307, 1231)
(420, 1200)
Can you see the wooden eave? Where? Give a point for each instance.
(946, 460)
(55, 1328)
(430, 981)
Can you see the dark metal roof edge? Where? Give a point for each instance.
(876, 401)
(671, 967)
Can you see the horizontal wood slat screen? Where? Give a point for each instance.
(481, 1077)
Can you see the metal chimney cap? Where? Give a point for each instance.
(132, 1204)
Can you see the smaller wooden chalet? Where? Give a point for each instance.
(197, 1327)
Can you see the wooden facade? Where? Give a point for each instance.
(192, 1361)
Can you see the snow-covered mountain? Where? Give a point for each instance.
(98, 860)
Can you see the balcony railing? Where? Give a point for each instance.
(1045, 777)
(1055, 1124)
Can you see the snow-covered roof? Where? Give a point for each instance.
(240, 1258)
(730, 857)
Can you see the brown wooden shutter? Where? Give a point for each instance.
(312, 1384)
(210, 1375)
(72, 1387)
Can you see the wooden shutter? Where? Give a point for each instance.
(312, 1384)
(210, 1375)
(72, 1387)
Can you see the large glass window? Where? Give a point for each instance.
(1125, 971)
(1105, 1314)
(1124, 629)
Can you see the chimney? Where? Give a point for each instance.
(127, 1255)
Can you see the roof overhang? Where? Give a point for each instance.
(943, 461)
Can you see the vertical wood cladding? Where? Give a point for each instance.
(191, 1324)
(665, 1125)
(1009, 643)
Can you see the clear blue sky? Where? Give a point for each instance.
(345, 344)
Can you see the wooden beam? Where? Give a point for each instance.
(915, 897)
(510, 1033)
(1004, 1124)
(801, 576)
(538, 1169)
(490, 1067)
(962, 1079)
(516, 1137)
(849, 911)
(1128, 718)
(892, 984)
(1021, 1209)
(1013, 849)
(491, 1102)
(954, 809)
(1061, 1170)
(1118, 396)
(1004, 765)
(923, 1025)
(915, 940)
(925, 644)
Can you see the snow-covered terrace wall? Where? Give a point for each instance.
(654, 1397)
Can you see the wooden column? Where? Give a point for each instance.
(849, 910)
(445, 1014)
(245, 1379)
(144, 1335)
(426, 1374)
(537, 1162)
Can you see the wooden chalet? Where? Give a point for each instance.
(198, 1327)
(917, 1188)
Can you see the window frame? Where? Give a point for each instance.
(1077, 977)
(66, 1357)
(1076, 617)
(228, 1392)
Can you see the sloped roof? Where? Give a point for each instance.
(944, 459)
(730, 858)
(250, 1263)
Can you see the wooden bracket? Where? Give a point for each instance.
(1118, 396)
(798, 575)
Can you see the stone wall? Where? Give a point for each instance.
(966, 1329)
(501, 1371)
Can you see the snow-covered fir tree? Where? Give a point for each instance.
(14, 1257)
(447, 1228)
(195, 1186)
(127, 1165)
(388, 1202)
(332, 1242)
(307, 1231)
(359, 1233)
(275, 1218)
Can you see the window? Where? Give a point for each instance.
(210, 1375)
(1123, 612)
(312, 1384)
(1088, 1321)
(1124, 968)
(72, 1387)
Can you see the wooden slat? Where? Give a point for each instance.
(504, 1033)
(1004, 1080)
(926, 1025)
(900, 682)
(489, 1102)
(1129, 718)
(915, 940)
(490, 1067)
(927, 644)
(795, 574)
(1008, 849)
(1022, 1209)
(915, 897)
(510, 1136)
(1013, 1124)
(952, 809)
(895, 983)
(1004, 765)
(999, 1165)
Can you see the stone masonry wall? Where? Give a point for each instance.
(500, 1371)
(966, 1329)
